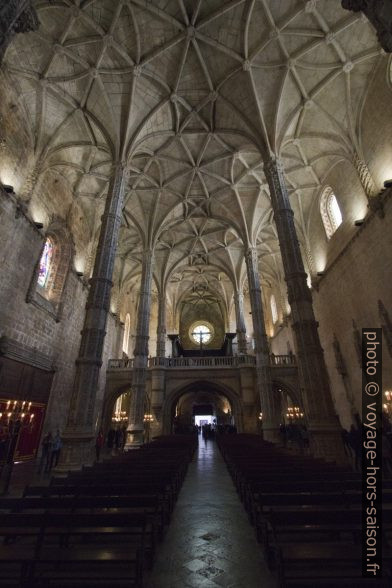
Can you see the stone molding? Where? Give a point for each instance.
(29, 355)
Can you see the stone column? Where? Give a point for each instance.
(139, 402)
(16, 16)
(174, 338)
(80, 429)
(239, 317)
(271, 417)
(313, 376)
(161, 328)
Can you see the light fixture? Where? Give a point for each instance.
(80, 274)
(9, 189)
(120, 416)
(387, 406)
(321, 273)
(39, 225)
(359, 222)
(388, 184)
(293, 412)
(15, 416)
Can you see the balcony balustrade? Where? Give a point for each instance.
(235, 361)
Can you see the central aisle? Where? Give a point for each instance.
(209, 542)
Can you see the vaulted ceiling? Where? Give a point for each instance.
(193, 94)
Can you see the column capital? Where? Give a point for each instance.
(274, 163)
(251, 255)
(238, 296)
(147, 254)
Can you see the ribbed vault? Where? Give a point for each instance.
(193, 96)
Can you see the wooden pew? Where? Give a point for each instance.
(52, 547)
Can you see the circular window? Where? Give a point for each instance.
(201, 333)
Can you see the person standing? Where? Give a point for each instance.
(46, 448)
(56, 449)
(124, 437)
(99, 444)
(118, 439)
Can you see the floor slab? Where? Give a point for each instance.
(210, 542)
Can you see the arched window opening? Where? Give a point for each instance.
(127, 329)
(330, 212)
(45, 263)
(50, 273)
(274, 309)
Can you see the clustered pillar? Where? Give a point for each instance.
(161, 328)
(80, 429)
(269, 404)
(241, 328)
(313, 376)
(139, 401)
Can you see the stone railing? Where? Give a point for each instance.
(120, 363)
(204, 362)
(282, 360)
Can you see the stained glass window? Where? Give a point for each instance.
(45, 264)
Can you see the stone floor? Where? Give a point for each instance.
(209, 543)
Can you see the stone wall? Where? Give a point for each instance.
(350, 290)
(31, 326)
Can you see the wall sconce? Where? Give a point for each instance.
(388, 184)
(80, 274)
(359, 222)
(9, 189)
(39, 225)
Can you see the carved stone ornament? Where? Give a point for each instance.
(379, 13)
(16, 16)
(340, 363)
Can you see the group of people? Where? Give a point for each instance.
(50, 451)
(51, 447)
(353, 445)
(294, 434)
(116, 438)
